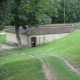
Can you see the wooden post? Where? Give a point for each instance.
(27, 40)
(39, 40)
(44, 38)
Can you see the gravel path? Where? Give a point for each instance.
(5, 47)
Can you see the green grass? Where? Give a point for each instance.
(60, 69)
(58, 24)
(20, 66)
(3, 39)
(68, 46)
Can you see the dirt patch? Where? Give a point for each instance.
(69, 65)
(5, 47)
(32, 56)
(46, 69)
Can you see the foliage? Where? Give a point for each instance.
(21, 12)
(36, 9)
(31, 11)
(45, 20)
(24, 12)
(72, 10)
(5, 14)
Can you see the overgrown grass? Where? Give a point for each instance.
(20, 66)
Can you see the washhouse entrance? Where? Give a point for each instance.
(33, 41)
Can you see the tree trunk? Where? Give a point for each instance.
(18, 37)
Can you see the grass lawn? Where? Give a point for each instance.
(18, 65)
(60, 69)
(3, 39)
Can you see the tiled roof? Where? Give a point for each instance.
(45, 30)
(21, 30)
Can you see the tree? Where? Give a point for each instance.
(21, 12)
(29, 12)
(5, 14)
(78, 11)
(68, 11)
(1, 6)
(2, 22)
(45, 19)
(39, 8)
